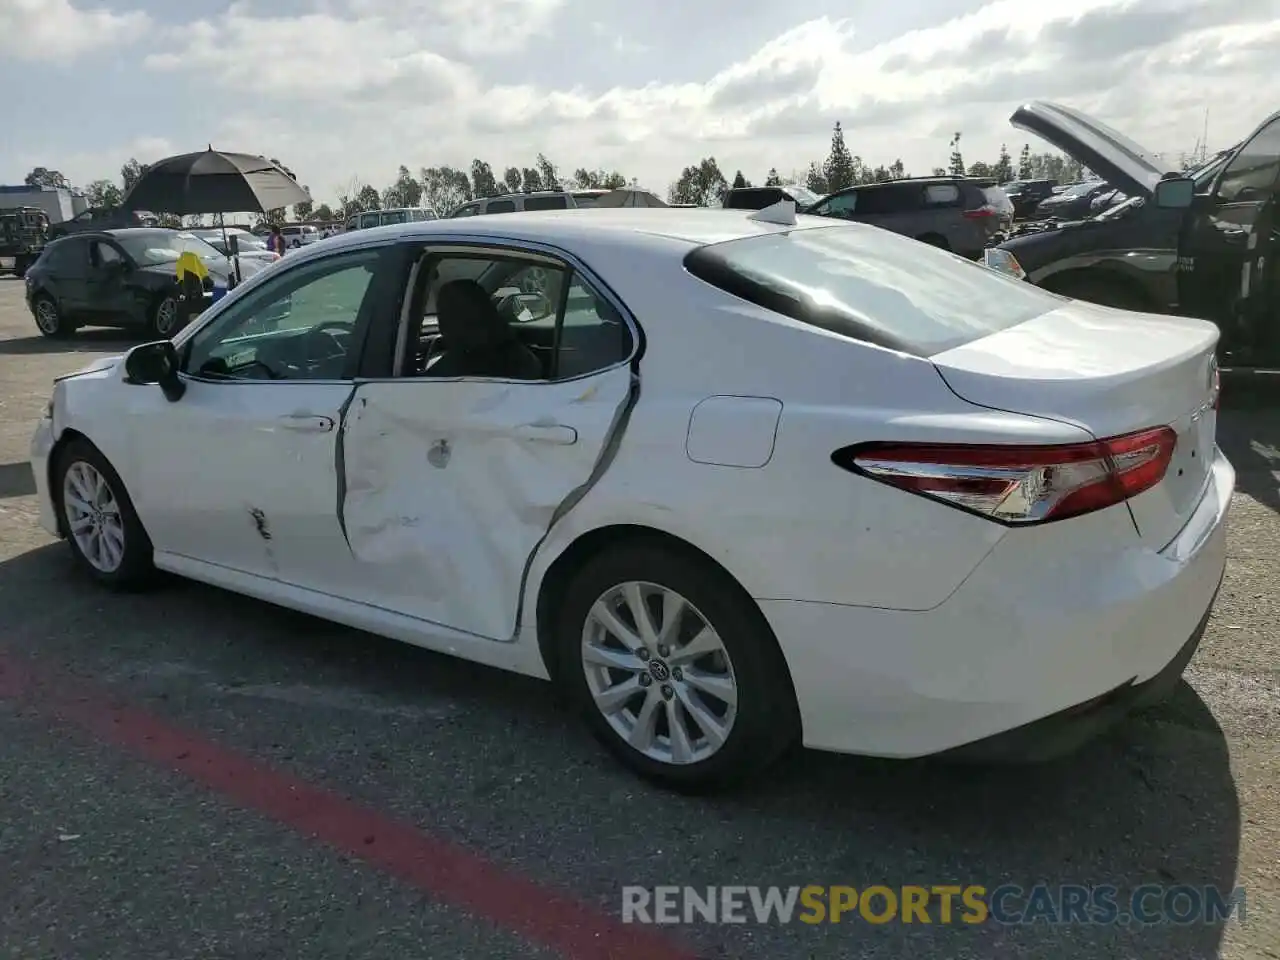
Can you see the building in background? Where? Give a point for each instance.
(58, 203)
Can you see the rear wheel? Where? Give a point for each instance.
(674, 668)
(50, 320)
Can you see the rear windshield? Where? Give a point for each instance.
(871, 285)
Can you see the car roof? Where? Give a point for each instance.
(579, 229)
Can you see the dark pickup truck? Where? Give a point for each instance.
(1202, 244)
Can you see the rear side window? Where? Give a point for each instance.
(941, 195)
(469, 210)
(881, 201)
(500, 206)
(871, 285)
(545, 203)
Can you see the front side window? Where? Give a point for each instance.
(103, 254)
(1251, 176)
(871, 285)
(467, 210)
(369, 220)
(300, 326)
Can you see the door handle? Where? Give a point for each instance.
(556, 433)
(307, 423)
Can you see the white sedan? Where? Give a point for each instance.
(734, 484)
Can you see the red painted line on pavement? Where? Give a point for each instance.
(445, 871)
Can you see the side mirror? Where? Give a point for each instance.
(155, 363)
(1176, 193)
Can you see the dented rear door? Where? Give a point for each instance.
(451, 484)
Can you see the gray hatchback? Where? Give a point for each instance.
(961, 214)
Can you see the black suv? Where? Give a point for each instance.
(1202, 244)
(961, 214)
(100, 218)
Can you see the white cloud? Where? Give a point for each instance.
(54, 29)
(362, 86)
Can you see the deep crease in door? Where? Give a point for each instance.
(444, 506)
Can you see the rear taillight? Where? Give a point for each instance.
(1215, 386)
(1020, 484)
(981, 213)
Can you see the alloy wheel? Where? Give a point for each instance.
(659, 673)
(47, 316)
(166, 316)
(93, 516)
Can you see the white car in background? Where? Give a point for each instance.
(733, 481)
(252, 251)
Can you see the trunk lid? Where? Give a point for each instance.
(1108, 153)
(1109, 372)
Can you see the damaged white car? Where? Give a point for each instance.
(736, 481)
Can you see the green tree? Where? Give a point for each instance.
(816, 179)
(939, 172)
(772, 179)
(980, 169)
(511, 179)
(103, 194)
(404, 192)
(547, 173)
(739, 181)
(531, 180)
(1003, 170)
(44, 177)
(304, 210)
(483, 183)
(839, 169)
(324, 213)
(368, 198)
(897, 170)
(957, 159)
(131, 172)
(701, 185)
(444, 189)
(1024, 162)
(613, 181)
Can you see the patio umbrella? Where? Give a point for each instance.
(629, 198)
(212, 181)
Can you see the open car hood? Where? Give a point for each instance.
(1109, 154)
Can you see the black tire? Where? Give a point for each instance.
(162, 325)
(50, 320)
(935, 240)
(767, 720)
(20, 266)
(135, 570)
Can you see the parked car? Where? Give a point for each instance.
(1025, 194)
(251, 250)
(1208, 245)
(757, 198)
(961, 214)
(102, 218)
(517, 202)
(880, 523)
(1106, 200)
(381, 218)
(298, 234)
(115, 278)
(1072, 202)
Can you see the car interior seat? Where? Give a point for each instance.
(476, 339)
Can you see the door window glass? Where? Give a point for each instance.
(1251, 175)
(500, 206)
(300, 326)
(941, 195)
(841, 205)
(593, 335)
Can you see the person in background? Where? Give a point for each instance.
(275, 240)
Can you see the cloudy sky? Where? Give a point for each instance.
(353, 88)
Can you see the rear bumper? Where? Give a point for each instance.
(1044, 630)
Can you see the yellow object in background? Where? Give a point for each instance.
(189, 263)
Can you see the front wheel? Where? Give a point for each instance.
(674, 668)
(106, 537)
(162, 323)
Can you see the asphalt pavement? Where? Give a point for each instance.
(189, 773)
